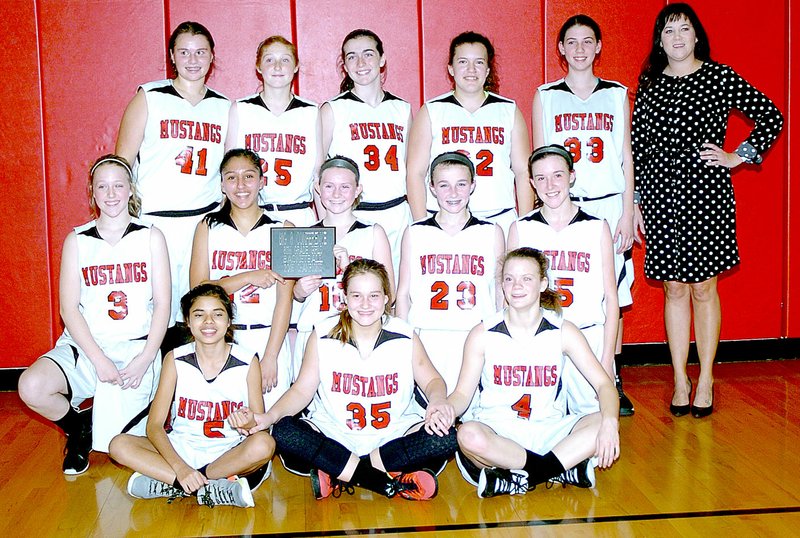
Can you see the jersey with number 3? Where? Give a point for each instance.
(286, 143)
(485, 136)
(328, 299)
(593, 130)
(362, 402)
(375, 138)
(116, 294)
(521, 379)
(231, 253)
(201, 406)
(182, 148)
(575, 263)
(452, 285)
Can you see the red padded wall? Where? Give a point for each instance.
(790, 206)
(25, 286)
(87, 63)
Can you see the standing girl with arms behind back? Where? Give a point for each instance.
(175, 132)
(590, 116)
(284, 130)
(370, 126)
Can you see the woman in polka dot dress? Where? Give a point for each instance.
(683, 176)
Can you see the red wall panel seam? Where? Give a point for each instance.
(55, 315)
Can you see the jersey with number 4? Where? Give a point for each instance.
(452, 285)
(182, 148)
(375, 138)
(369, 397)
(231, 253)
(201, 406)
(521, 378)
(286, 143)
(575, 263)
(116, 294)
(593, 130)
(485, 136)
(328, 299)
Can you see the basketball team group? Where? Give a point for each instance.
(475, 313)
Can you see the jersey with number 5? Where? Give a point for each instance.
(485, 136)
(575, 263)
(286, 143)
(116, 297)
(593, 130)
(375, 138)
(201, 406)
(521, 379)
(452, 285)
(182, 148)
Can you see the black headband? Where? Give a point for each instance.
(340, 162)
(454, 157)
(552, 149)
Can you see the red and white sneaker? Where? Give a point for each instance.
(417, 486)
(323, 486)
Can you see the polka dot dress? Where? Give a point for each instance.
(688, 207)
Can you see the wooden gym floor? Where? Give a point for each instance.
(735, 473)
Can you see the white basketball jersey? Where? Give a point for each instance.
(522, 379)
(116, 297)
(328, 299)
(231, 253)
(575, 263)
(286, 143)
(485, 136)
(452, 282)
(375, 138)
(183, 146)
(592, 130)
(201, 406)
(369, 397)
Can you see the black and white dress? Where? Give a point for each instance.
(688, 207)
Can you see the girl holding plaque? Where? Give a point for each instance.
(232, 249)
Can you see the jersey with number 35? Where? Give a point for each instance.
(182, 148)
(116, 293)
(485, 137)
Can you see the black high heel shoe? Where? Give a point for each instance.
(681, 410)
(700, 412)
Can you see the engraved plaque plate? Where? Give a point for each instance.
(298, 252)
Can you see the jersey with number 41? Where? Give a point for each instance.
(485, 137)
(375, 138)
(452, 285)
(116, 293)
(182, 148)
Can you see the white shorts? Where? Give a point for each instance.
(502, 218)
(538, 436)
(115, 410)
(361, 443)
(610, 209)
(394, 221)
(446, 351)
(197, 451)
(298, 353)
(256, 340)
(179, 234)
(581, 396)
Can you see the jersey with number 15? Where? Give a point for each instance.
(182, 148)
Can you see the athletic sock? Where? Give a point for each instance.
(542, 468)
(70, 422)
(367, 476)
